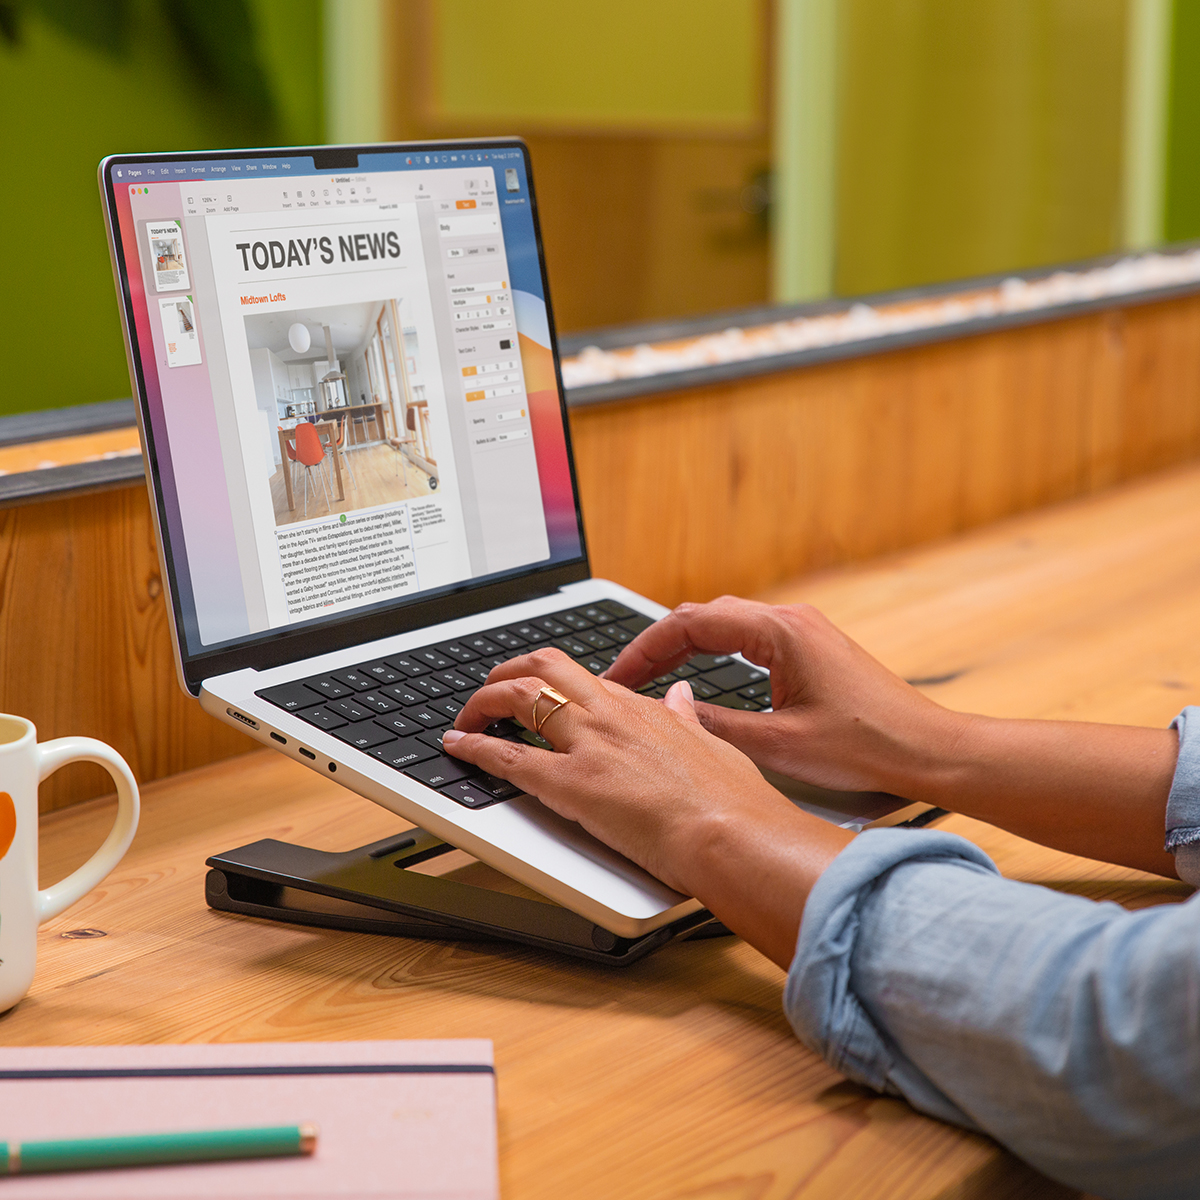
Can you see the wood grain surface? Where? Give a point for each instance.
(677, 1078)
(740, 486)
(64, 451)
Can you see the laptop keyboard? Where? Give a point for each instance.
(396, 708)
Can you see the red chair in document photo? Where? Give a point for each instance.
(306, 449)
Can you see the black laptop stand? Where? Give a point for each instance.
(368, 890)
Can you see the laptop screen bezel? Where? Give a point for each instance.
(290, 643)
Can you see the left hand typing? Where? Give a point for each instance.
(647, 779)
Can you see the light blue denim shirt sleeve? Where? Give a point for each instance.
(1183, 804)
(1066, 1029)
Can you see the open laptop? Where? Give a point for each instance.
(357, 448)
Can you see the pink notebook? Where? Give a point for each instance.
(397, 1119)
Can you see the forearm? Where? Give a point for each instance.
(842, 720)
(753, 866)
(1095, 790)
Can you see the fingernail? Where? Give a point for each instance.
(685, 690)
(451, 736)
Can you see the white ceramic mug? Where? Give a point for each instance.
(23, 765)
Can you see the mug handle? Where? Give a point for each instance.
(55, 754)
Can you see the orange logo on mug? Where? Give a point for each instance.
(8, 822)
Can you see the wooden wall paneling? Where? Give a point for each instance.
(729, 487)
(753, 482)
(85, 641)
(1162, 411)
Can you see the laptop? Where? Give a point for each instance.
(360, 468)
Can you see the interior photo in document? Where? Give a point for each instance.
(341, 392)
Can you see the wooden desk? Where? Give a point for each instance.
(678, 1077)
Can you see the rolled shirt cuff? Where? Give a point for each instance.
(819, 997)
(1183, 803)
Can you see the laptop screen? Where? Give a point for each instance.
(348, 379)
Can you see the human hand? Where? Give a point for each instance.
(840, 718)
(647, 779)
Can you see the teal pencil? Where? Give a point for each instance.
(156, 1149)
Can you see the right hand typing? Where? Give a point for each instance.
(840, 718)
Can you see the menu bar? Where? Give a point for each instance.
(277, 167)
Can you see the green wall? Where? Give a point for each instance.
(65, 105)
(669, 66)
(976, 136)
(1182, 191)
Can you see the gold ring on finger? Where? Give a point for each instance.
(552, 694)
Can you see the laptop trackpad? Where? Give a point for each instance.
(850, 810)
